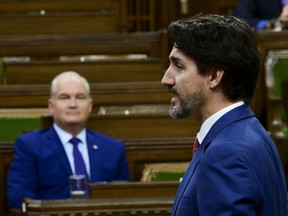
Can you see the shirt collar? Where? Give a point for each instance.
(208, 123)
(65, 137)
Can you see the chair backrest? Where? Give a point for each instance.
(164, 171)
(276, 72)
(15, 122)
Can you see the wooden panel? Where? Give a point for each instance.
(141, 14)
(108, 70)
(52, 46)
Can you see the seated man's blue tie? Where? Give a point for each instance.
(80, 168)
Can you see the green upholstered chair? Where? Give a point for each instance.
(276, 71)
(14, 122)
(276, 76)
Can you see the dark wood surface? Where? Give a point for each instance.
(109, 69)
(133, 189)
(157, 206)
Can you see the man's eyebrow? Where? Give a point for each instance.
(174, 58)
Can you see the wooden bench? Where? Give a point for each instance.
(32, 6)
(139, 126)
(22, 105)
(139, 153)
(58, 23)
(107, 69)
(103, 94)
(50, 17)
(131, 15)
(55, 46)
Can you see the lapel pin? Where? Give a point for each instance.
(95, 147)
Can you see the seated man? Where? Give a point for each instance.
(263, 14)
(44, 159)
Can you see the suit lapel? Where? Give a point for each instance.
(94, 151)
(236, 114)
(52, 141)
(187, 177)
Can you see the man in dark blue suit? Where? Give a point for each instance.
(262, 14)
(43, 160)
(236, 170)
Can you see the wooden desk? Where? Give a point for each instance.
(148, 206)
(6, 154)
(133, 189)
(53, 46)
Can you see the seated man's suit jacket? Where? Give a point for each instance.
(40, 168)
(254, 11)
(235, 171)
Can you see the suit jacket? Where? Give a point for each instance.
(236, 171)
(254, 11)
(40, 168)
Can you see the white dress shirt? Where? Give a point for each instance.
(208, 123)
(82, 146)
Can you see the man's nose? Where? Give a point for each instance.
(72, 102)
(167, 78)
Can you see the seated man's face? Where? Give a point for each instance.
(71, 105)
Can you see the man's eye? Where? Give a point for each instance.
(63, 97)
(81, 97)
(178, 66)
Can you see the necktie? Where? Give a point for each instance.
(80, 168)
(196, 145)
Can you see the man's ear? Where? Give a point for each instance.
(90, 105)
(216, 77)
(50, 106)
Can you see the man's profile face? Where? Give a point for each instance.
(183, 80)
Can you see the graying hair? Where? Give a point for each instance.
(64, 75)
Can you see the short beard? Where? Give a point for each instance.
(186, 108)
